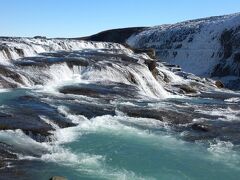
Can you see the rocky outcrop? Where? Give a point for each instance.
(229, 53)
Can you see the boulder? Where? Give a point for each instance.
(219, 84)
(187, 89)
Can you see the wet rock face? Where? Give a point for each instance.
(229, 54)
(5, 153)
(221, 70)
(110, 91)
(151, 64)
(9, 78)
(226, 40)
(230, 49)
(233, 84)
(170, 117)
(230, 41)
(187, 89)
(208, 130)
(24, 113)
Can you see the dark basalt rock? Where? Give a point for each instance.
(9, 73)
(23, 113)
(218, 95)
(210, 130)
(200, 127)
(233, 84)
(160, 75)
(5, 49)
(237, 57)
(187, 88)
(132, 78)
(229, 40)
(82, 91)
(226, 41)
(58, 178)
(219, 84)
(6, 152)
(48, 61)
(151, 64)
(221, 70)
(90, 110)
(163, 115)
(155, 73)
(20, 52)
(108, 91)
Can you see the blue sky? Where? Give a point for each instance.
(74, 18)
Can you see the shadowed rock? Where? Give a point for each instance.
(7, 73)
(58, 178)
(106, 91)
(24, 113)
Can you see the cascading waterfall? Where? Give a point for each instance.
(90, 110)
(15, 48)
(57, 73)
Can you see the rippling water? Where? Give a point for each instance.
(118, 146)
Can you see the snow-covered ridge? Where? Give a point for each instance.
(205, 47)
(14, 48)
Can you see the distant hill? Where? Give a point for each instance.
(114, 35)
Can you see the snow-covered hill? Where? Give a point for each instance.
(208, 47)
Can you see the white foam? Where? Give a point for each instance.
(31, 47)
(223, 151)
(116, 125)
(145, 81)
(124, 127)
(53, 77)
(232, 100)
(220, 147)
(171, 76)
(227, 114)
(22, 142)
(93, 165)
